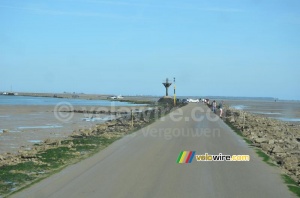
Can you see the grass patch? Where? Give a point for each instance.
(56, 157)
(289, 180)
(266, 158)
(15, 177)
(238, 132)
(247, 141)
(234, 128)
(292, 185)
(295, 190)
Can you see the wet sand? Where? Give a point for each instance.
(287, 111)
(28, 125)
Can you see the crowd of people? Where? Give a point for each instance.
(214, 106)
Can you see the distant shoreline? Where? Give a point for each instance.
(142, 97)
(81, 96)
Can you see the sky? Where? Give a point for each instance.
(245, 48)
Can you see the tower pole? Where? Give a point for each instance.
(167, 91)
(167, 83)
(174, 93)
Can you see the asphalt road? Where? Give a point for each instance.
(144, 165)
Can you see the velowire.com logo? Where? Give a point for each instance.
(186, 157)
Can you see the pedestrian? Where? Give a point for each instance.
(221, 109)
(214, 106)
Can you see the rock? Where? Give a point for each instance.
(28, 156)
(45, 147)
(280, 155)
(76, 135)
(277, 134)
(267, 147)
(279, 159)
(48, 141)
(276, 128)
(5, 131)
(290, 163)
(13, 171)
(86, 133)
(280, 141)
(277, 149)
(246, 133)
(145, 120)
(253, 133)
(253, 137)
(57, 143)
(297, 173)
(112, 123)
(70, 145)
(295, 152)
(21, 151)
(228, 112)
(101, 128)
(237, 113)
(271, 141)
(261, 140)
(256, 145)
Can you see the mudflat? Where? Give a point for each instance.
(281, 110)
(26, 125)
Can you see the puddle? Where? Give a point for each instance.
(40, 127)
(99, 119)
(35, 141)
(288, 119)
(239, 107)
(265, 113)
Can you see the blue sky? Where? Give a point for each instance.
(212, 47)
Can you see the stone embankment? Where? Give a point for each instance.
(280, 140)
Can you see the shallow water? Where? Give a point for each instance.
(27, 128)
(288, 111)
(35, 120)
(39, 127)
(32, 101)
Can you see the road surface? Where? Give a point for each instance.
(145, 165)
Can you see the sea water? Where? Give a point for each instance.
(28, 100)
(288, 111)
